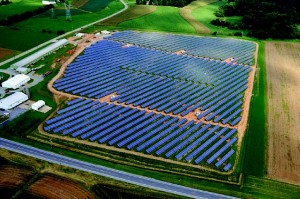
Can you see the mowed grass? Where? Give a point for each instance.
(256, 133)
(165, 18)
(19, 7)
(205, 15)
(95, 5)
(131, 13)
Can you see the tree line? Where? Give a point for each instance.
(264, 19)
(23, 16)
(176, 3)
(4, 2)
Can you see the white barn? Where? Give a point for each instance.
(13, 100)
(40, 54)
(35, 106)
(16, 81)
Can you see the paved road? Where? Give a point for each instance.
(62, 36)
(107, 172)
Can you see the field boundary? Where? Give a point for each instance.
(186, 13)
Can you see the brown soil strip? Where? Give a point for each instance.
(283, 94)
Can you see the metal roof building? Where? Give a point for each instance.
(13, 100)
(37, 105)
(40, 54)
(16, 81)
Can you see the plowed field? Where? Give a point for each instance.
(56, 187)
(283, 83)
(5, 52)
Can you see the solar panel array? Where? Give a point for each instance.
(146, 132)
(216, 48)
(161, 81)
(151, 77)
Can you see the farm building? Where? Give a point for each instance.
(16, 81)
(79, 34)
(40, 54)
(105, 32)
(37, 105)
(23, 70)
(13, 100)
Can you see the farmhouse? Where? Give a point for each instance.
(13, 100)
(16, 81)
(40, 54)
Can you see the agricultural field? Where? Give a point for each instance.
(19, 7)
(5, 53)
(186, 13)
(42, 27)
(13, 39)
(95, 5)
(131, 13)
(166, 107)
(25, 177)
(205, 15)
(162, 19)
(283, 72)
(51, 186)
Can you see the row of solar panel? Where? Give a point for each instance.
(201, 46)
(186, 68)
(148, 132)
(111, 81)
(138, 98)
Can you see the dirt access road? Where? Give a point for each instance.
(283, 84)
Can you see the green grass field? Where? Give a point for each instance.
(165, 18)
(257, 131)
(18, 7)
(23, 39)
(95, 5)
(28, 33)
(206, 13)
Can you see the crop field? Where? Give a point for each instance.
(32, 28)
(12, 178)
(51, 186)
(162, 19)
(79, 18)
(19, 7)
(4, 53)
(171, 105)
(14, 38)
(131, 13)
(95, 5)
(283, 72)
(186, 13)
